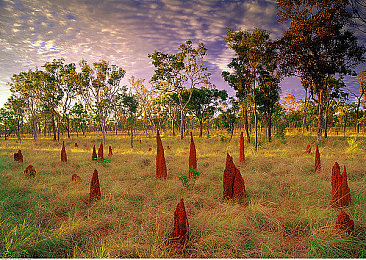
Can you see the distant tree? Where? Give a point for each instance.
(268, 96)
(99, 84)
(228, 117)
(204, 103)
(130, 104)
(316, 45)
(255, 53)
(16, 106)
(176, 72)
(359, 97)
(79, 117)
(26, 84)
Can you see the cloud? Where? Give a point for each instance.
(122, 32)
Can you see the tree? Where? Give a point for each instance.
(176, 72)
(362, 95)
(79, 117)
(267, 96)
(26, 85)
(204, 103)
(16, 106)
(228, 117)
(316, 46)
(255, 53)
(130, 104)
(99, 84)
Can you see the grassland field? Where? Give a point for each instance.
(288, 211)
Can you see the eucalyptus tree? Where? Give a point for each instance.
(177, 72)
(361, 78)
(204, 103)
(50, 92)
(26, 85)
(79, 117)
(99, 84)
(255, 53)
(317, 44)
(16, 106)
(268, 96)
(130, 104)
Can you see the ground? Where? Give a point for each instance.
(288, 212)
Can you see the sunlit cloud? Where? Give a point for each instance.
(124, 32)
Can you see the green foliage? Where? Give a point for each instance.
(189, 183)
(102, 161)
(352, 144)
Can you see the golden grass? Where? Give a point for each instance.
(288, 213)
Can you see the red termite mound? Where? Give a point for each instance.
(168, 147)
(234, 187)
(308, 149)
(344, 223)
(110, 153)
(30, 171)
(75, 177)
(161, 172)
(94, 187)
(63, 153)
(76, 145)
(18, 157)
(242, 154)
(192, 157)
(179, 234)
(94, 155)
(341, 195)
(100, 152)
(150, 149)
(317, 160)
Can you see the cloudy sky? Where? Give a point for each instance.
(124, 32)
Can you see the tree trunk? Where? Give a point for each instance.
(53, 124)
(172, 123)
(131, 131)
(201, 128)
(269, 128)
(181, 124)
(305, 110)
(103, 128)
(320, 117)
(357, 115)
(246, 126)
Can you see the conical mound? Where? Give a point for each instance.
(344, 223)
(18, 157)
(94, 155)
(94, 187)
(192, 157)
(179, 233)
(336, 183)
(100, 152)
(234, 187)
(317, 160)
(110, 153)
(345, 191)
(161, 172)
(63, 153)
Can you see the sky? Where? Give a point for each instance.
(124, 32)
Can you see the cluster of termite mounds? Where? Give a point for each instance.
(75, 178)
(341, 196)
(344, 223)
(18, 156)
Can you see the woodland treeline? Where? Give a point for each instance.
(318, 47)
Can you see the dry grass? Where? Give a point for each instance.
(288, 213)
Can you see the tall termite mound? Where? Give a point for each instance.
(341, 195)
(110, 153)
(317, 160)
(63, 153)
(344, 223)
(94, 187)
(161, 172)
(242, 154)
(18, 157)
(94, 155)
(192, 157)
(234, 187)
(179, 234)
(100, 152)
